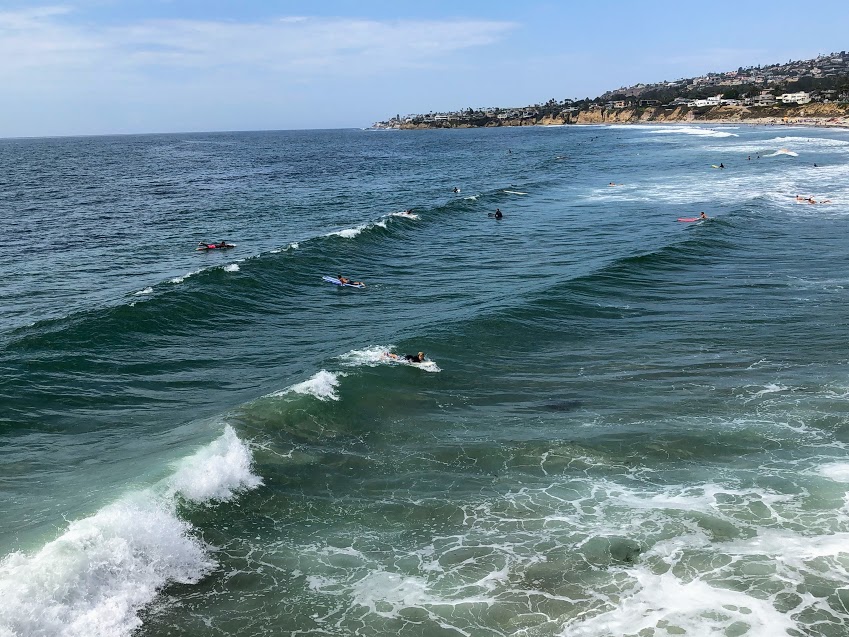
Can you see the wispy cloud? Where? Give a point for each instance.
(48, 39)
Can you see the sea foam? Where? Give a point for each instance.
(321, 385)
(350, 233)
(93, 580)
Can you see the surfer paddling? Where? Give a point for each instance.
(347, 281)
(410, 358)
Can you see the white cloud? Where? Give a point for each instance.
(47, 39)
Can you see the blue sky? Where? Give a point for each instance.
(110, 66)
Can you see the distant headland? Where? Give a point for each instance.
(799, 92)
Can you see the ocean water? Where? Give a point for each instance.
(627, 425)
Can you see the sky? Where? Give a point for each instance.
(89, 67)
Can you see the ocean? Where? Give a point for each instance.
(626, 424)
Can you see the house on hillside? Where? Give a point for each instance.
(800, 97)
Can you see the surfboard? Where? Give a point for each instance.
(335, 281)
(689, 218)
(714, 166)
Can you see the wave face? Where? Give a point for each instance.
(624, 425)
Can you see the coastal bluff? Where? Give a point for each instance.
(833, 114)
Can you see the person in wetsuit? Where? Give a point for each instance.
(415, 358)
(498, 214)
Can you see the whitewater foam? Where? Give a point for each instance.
(350, 233)
(405, 215)
(179, 279)
(146, 291)
(688, 130)
(232, 267)
(321, 385)
(93, 580)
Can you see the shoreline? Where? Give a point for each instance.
(810, 122)
(814, 115)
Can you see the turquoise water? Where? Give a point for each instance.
(627, 425)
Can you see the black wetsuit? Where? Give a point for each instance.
(413, 358)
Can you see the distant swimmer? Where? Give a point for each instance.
(721, 165)
(611, 184)
(498, 214)
(456, 190)
(703, 216)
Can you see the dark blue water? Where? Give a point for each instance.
(626, 424)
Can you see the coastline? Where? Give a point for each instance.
(818, 115)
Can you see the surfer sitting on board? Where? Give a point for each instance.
(498, 214)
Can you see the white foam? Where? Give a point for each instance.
(691, 130)
(350, 233)
(782, 151)
(147, 290)
(369, 357)
(405, 215)
(93, 580)
(690, 607)
(179, 279)
(219, 471)
(322, 385)
(471, 198)
(837, 471)
(771, 388)
(514, 192)
(291, 246)
(232, 267)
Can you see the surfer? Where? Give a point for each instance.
(703, 216)
(346, 281)
(498, 214)
(410, 358)
(456, 190)
(611, 184)
(721, 165)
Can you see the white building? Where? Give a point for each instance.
(795, 98)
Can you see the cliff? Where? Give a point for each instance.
(814, 113)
